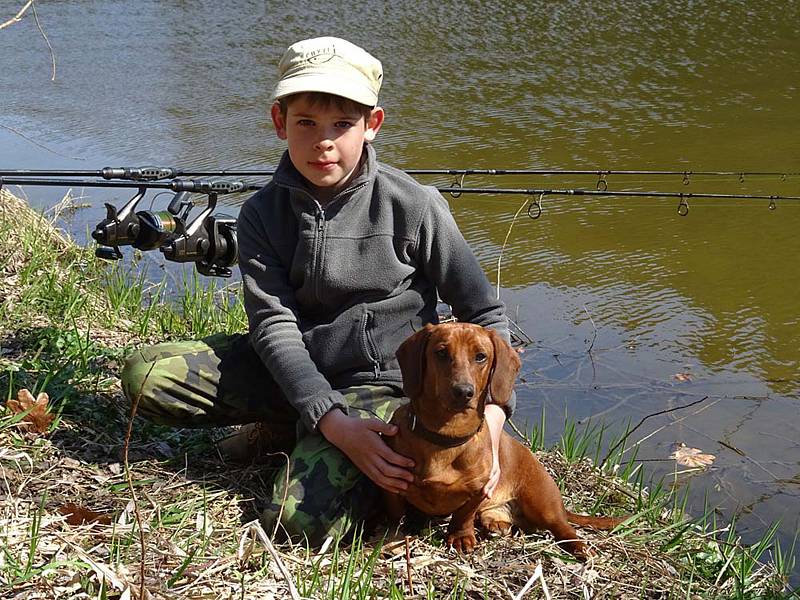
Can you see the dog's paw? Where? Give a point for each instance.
(492, 526)
(496, 519)
(463, 542)
(580, 550)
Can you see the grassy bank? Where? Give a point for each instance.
(81, 518)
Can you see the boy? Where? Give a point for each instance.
(341, 259)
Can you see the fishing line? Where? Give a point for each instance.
(505, 242)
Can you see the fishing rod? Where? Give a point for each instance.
(227, 186)
(151, 173)
(155, 173)
(210, 240)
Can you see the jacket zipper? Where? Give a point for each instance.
(316, 267)
(372, 350)
(320, 233)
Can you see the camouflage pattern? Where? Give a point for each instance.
(216, 381)
(220, 381)
(320, 492)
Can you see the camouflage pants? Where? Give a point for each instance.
(219, 381)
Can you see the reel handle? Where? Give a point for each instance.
(138, 173)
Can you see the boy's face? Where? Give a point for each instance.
(325, 142)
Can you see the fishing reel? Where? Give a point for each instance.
(209, 240)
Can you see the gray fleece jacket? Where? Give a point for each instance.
(331, 292)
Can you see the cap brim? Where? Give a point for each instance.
(326, 83)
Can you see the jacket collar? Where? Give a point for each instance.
(286, 175)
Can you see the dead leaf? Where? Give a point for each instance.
(691, 457)
(38, 419)
(77, 515)
(682, 376)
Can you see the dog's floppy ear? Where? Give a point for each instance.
(411, 356)
(505, 367)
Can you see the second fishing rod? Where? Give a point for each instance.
(217, 186)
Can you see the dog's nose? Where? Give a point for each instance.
(463, 391)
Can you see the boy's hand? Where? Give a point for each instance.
(495, 418)
(359, 439)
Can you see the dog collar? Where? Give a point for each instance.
(439, 439)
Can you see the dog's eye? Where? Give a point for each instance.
(442, 353)
(480, 357)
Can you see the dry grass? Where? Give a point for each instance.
(195, 511)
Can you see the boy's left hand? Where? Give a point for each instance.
(495, 418)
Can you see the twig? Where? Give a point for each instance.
(661, 412)
(537, 574)
(505, 241)
(325, 545)
(671, 423)
(514, 322)
(520, 433)
(622, 401)
(730, 447)
(749, 459)
(243, 554)
(46, 41)
(32, 141)
(285, 492)
(594, 338)
(18, 17)
(408, 567)
(255, 527)
(60, 206)
(134, 406)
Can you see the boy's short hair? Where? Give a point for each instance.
(324, 100)
(330, 65)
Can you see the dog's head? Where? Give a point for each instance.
(460, 364)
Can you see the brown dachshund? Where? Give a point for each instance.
(450, 372)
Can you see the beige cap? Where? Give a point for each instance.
(331, 65)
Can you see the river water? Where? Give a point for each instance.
(633, 309)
